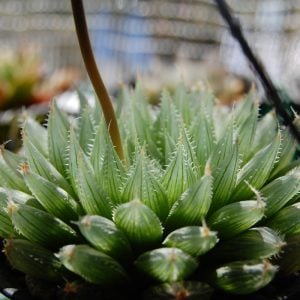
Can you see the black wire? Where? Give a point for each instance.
(265, 79)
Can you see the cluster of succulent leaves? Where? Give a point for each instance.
(206, 196)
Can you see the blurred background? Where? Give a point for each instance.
(162, 41)
(143, 37)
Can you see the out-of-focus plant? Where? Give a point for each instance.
(23, 82)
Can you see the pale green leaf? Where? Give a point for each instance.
(41, 166)
(287, 220)
(112, 173)
(37, 134)
(55, 200)
(224, 164)
(140, 224)
(286, 154)
(179, 174)
(280, 191)
(141, 184)
(86, 130)
(246, 133)
(166, 264)
(257, 171)
(225, 177)
(100, 146)
(235, 218)
(255, 243)
(103, 234)
(58, 126)
(193, 205)
(267, 129)
(40, 227)
(203, 134)
(92, 197)
(243, 277)
(194, 240)
(92, 265)
(10, 177)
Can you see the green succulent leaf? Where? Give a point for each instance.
(257, 171)
(169, 146)
(244, 109)
(74, 150)
(109, 170)
(267, 129)
(286, 153)
(54, 199)
(235, 218)
(10, 177)
(142, 120)
(92, 265)
(183, 100)
(287, 220)
(193, 205)
(168, 117)
(203, 132)
(194, 240)
(7, 195)
(92, 197)
(112, 174)
(33, 259)
(179, 174)
(189, 148)
(141, 184)
(58, 127)
(12, 159)
(280, 191)
(100, 146)
(39, 226)
(225, 177)
(103, 234)
(255, 243)
(41, 166)
(166, 264)
(86, 130)
(6, 228)
(246, 132)
(37, 134)
(140, 224)
(243, 277)
(166, 127)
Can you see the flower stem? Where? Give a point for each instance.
(94, 75)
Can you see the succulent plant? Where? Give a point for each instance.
(205, 196)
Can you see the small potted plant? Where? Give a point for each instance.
(23, 83)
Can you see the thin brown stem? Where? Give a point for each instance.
(94, 75)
